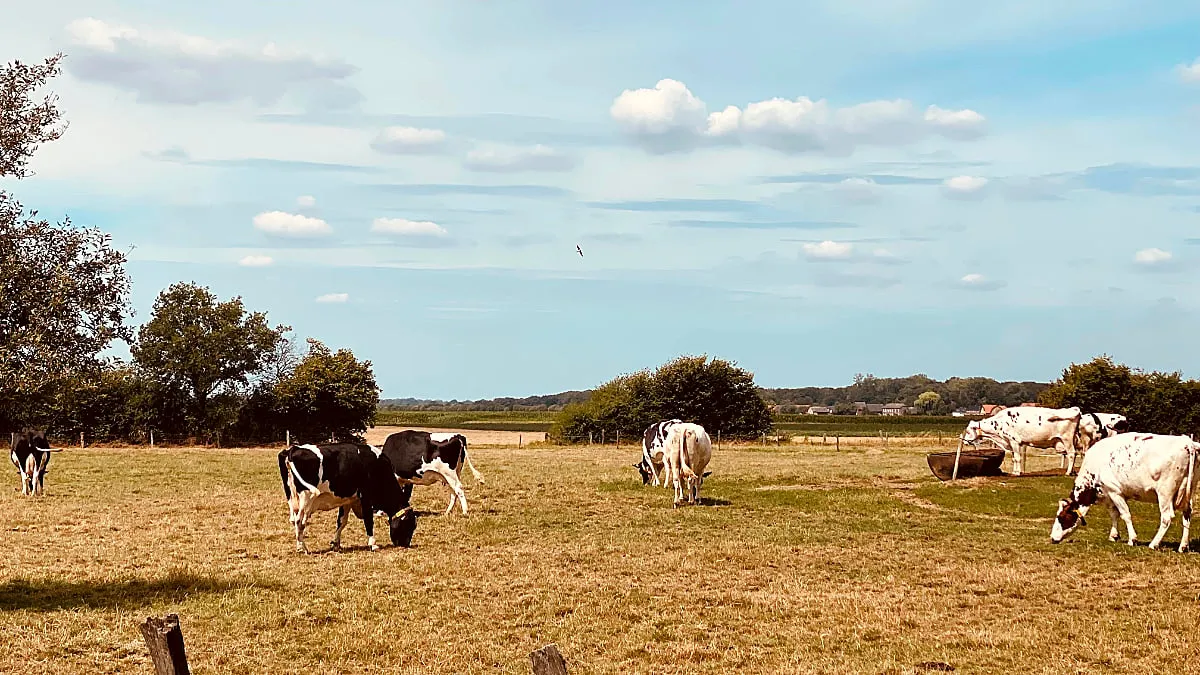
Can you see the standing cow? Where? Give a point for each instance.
(31, 455)
(344, 476)
(1137, 466)
(1014, 428)
(653, 442)
(1095, 427)
(421, 458)
(688, 450)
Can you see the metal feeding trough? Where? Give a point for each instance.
(966, 463)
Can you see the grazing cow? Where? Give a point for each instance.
(653, 442)
(687, 452)
(31, 455)
(1137, 466)
(1094, 427)
(344, 475)
(1014, 428)
(421, 458)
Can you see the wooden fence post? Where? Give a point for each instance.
(164, 639)
(519, 440)
(602, 437)
(547, 661)
(838, 441)
(589, 438)
(151, 439)
(618, 439)
(81, 440)
(718, 440)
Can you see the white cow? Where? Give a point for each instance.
(1014, 428)
(1095, 427)
(1137, 466)
(686, 454)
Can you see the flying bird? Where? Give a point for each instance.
(579, 249)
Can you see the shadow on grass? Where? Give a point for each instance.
(47, 595)
(713, 501)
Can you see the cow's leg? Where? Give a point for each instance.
(1185, 515)
(1068, 450)
(343, 516)
(1114, 533)
(450, 507)
(300, 515)
(1166, 514)
(451, 480)
(1122, 507)
(1017, 458)
(368, 516)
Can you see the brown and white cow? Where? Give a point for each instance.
(1014, 428)
(1133, 466)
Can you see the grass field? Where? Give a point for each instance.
(801, 560)
(517, 420)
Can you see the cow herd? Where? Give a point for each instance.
(1119, 466)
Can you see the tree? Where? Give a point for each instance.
(205, 348)
(328, 394)
(1154, 402)
(63, 290)
(26, 122)
(928, 400)
(713, 393)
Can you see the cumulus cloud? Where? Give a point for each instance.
(964, 187)
(828, 250)
(333, 297)
(513, 160)
(978, 282)
(402, 227)
(1152, 256)
(256, 261)
(168, 67)
(858, 191)
(670, 117)
(1189, 72)
(282, 224)
(306, 201)
(409, 141)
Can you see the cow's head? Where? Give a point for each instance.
(972, 433)
(402, 526)
(1071, 513)
(1120, 426)
(644, 469)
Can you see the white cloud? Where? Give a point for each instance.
(409, 141)
(978, 282)
(1152, 256)
(283, 224)
(964, 187)
(334, 297)
(256, 261)
(306, 201)
(670, 117)
(407, 228)
(512, 160)
(828, 250)
(858, 191)
(1189, 72)
(175, 68)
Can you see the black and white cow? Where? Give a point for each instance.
(345, 475)
(31, 455)
(422, 458)
(654, 442)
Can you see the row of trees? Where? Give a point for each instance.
(714, 393)
(199, 367)
(951, 394)
(1155, 402)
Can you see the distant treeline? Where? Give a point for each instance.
(954, 394)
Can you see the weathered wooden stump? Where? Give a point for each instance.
(548, 661)
(164, 639)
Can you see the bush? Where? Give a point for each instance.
(1154, 402)
(713, 393)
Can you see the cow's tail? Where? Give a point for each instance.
(1188, 488)
(283, 473)
(467, 459)
(684, 458)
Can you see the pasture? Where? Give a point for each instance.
(802, 559)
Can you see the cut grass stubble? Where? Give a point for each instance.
(801, 559)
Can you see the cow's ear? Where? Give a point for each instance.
(706, 474)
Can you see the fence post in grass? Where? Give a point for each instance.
(618, 439)
(718, 440)
(589, 438)
(81, 440)
(289, 438)
(547, 661)
(151, 439)
(519, 439)
(838, 441)
(602, 437)
(164, 639)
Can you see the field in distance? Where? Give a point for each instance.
(802, 559)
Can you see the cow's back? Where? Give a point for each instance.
(407, 450)
(1137, 461)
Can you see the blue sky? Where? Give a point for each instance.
(812, 189)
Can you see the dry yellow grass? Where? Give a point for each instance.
(802, 560)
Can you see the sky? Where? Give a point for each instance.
(811, 189)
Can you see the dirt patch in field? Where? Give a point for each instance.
(377, 435)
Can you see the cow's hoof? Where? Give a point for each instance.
(1183, 548)
(1133, 542)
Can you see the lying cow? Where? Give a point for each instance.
(687, 452)
(345, 475)
(421, 458)
(1014, 428)
(653, 442)
(1137, 466)
(31, 455)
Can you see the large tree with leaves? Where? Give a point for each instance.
(329, 394)
(207, 348)
(63, 289)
